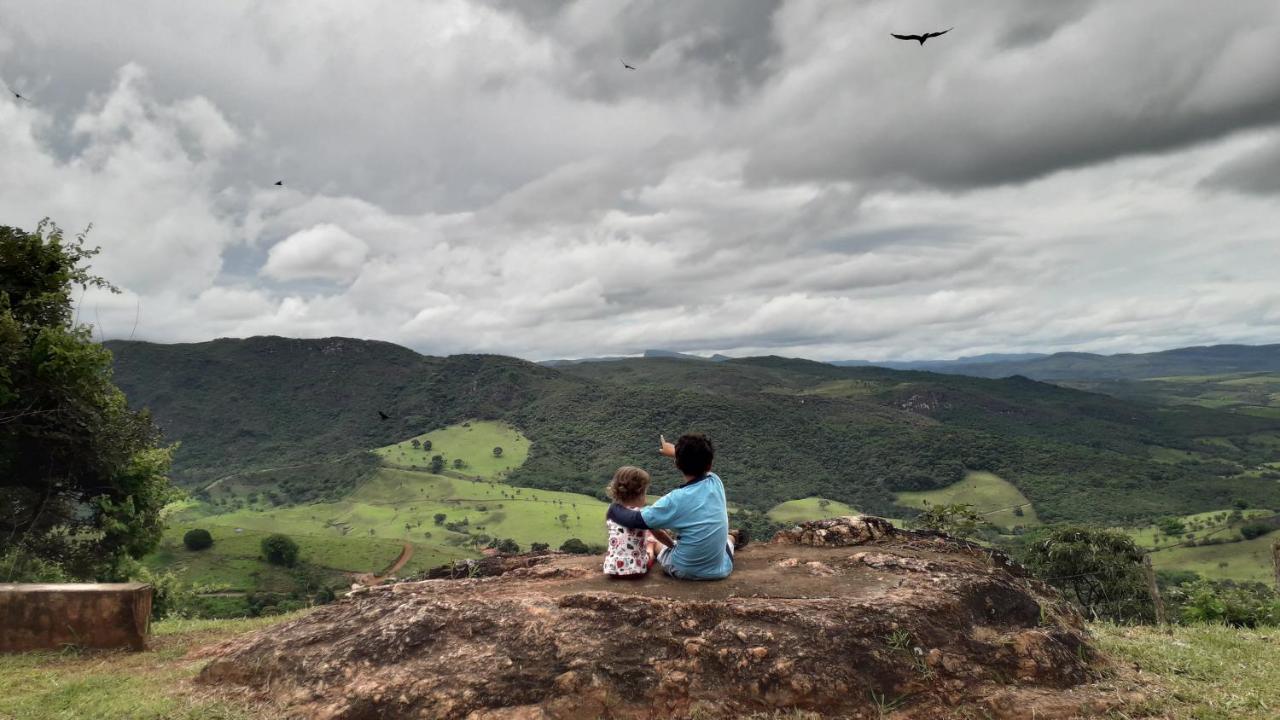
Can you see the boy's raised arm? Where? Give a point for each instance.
(665, 448)
(662, 537)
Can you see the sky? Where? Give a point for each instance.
(772, 178)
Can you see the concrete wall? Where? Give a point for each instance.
(89, 615)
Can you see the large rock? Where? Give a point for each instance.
(843, 617)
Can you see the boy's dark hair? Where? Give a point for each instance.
(629, 484)
(694, 453)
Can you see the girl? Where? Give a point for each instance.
(630, 552)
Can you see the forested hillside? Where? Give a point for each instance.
(784, 428)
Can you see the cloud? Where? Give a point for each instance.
(482, 175)
(323, 252)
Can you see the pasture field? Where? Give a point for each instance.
(1247, 560)
(1214, 523)
(810, 508)
(1172, 455)
(991, 496)
(473, 442)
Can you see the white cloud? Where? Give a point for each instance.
(323, 252)
(775, 177)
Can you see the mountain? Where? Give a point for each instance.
(1210, 360)
(942, 365)
(784, 428)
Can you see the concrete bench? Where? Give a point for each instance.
(86, 615)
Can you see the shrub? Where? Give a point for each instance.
(280, 550)
(1101, 570)
(1255, 530)
(539, 547)
(575, 546)
(197, 539)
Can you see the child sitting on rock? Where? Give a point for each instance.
(696, 510)
(631, 552)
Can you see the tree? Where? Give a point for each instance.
(416, 443)
(1101, 570)
(197, 539)
(1171, 526)
(575, 546)
(437, 463)
(539, 547)
(1255, 530)
(497, 452)
(509, 546)
(280, 550)
(82, 477)
(426, 446)
(563, 518)
(439, 518)
(459, 463)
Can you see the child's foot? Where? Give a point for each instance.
(740, 538)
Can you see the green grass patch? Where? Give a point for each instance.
(990, 495)
(1204, 672)
(810, 508)
(472, 442)
(1172, 455)
(1246, 560)
(1210, 524)
(125, 685)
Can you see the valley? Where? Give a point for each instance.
(476, 450)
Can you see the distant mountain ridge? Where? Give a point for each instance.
(1203, 360)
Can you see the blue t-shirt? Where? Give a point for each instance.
(697, 512)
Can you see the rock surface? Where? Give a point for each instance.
(844, 617)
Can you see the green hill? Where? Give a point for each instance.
(303, 414)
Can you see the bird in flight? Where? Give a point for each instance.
(279, 183)
(625, 65)
(15, 93)
(923, 37)
(383, 415)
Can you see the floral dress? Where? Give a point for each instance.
(626, 554)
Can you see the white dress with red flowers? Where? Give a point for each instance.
(626, 554)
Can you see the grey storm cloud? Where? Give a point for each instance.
(484, 175)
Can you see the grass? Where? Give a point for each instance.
(1213, 523)
(1202, 672)
(124, 685)
(473, 442)
(1247, 560)
(990, 495)
(810, 508)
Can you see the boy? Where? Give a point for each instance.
(696, 511)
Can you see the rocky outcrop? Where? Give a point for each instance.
(845, 618)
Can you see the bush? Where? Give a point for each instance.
(1101, 570)
(539, 547)
(1238, 605)
(280, 550)
(508, 546)
(1255, 530)
(197, 539)
(575, 546)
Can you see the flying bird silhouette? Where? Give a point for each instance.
(625, 65)
(15, 93)
(383, 415)
(923, 37)
(279, 183)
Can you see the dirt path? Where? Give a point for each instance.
(406, 554)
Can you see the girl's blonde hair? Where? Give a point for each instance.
(629, 484)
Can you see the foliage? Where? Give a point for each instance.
(539, 547)
(956, 519)
(1100, 570)
(84, 478)
(575, 546)
(197, 539)
(1235, 604)
(506, 545)
(1171, 526)
(497, 452)
(280, 550)
(758, 526)
(1256, 530)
